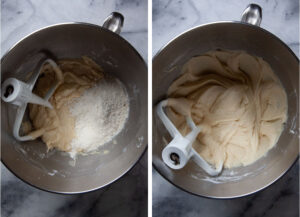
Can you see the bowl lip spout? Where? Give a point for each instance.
(155, 163)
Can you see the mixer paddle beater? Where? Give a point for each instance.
(20, 94)
(180, 150)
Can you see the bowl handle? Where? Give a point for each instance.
(252, 15)
(114, 22)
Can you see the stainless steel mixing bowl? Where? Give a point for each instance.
(55, 171)
(248, 36)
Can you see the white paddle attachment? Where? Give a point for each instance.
(180, 150)
(20, 94)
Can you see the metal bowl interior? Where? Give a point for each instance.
(167, 66)
(55, 171)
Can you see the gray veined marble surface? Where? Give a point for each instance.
(127, 196)
(172, 17)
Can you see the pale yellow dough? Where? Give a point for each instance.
(238, 102)
(57, 126)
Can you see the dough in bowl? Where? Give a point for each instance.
(238, 102)
(89, 107)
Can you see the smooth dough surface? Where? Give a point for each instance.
(238, 102)
(57, 126)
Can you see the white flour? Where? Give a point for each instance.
(100, 114)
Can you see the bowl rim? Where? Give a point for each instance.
(145, 146)
(173, 40)
(73, 24)
(219, 23)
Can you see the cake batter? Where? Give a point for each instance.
(238, 102)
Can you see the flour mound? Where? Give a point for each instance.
(100, 114)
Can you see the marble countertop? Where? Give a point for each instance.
(127, 196)
(172, 17)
